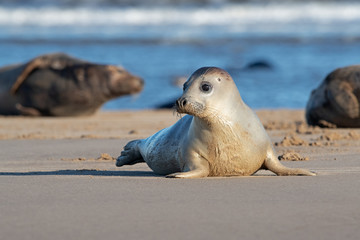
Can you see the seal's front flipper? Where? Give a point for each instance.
(196, 167)
(27, 111)
(131, 154)
(273, 164)
(191, 174)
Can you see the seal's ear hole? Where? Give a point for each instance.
(219, 79)
(205, 87)
(185, 86)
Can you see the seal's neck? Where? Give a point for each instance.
(227, 115)
(214, 123)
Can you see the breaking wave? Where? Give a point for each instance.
(229, 14)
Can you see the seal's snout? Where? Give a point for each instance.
(138, 84)
(189, 106)
(181, 102)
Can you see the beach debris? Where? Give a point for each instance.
(292, 156)
(333, 136)
(354, 135)
(292, 140)
(105, 157)
(133, 131)
(279, 125)
(89, 136)
(303, 128)
(74, 159)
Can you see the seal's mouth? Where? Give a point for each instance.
(185, 105)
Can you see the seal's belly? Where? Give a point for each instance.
(162, 160)
(234, 161)
(161, 151)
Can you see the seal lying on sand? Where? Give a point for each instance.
(221, 136)
(60, 85)
(337, 100)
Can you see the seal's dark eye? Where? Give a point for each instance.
(206, 87)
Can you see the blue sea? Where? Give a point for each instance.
(160, 41)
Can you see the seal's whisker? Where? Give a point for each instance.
(174, 110)
(179, 115)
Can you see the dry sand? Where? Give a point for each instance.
(58, 180)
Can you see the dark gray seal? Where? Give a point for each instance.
(336, 102)
(221, 136)
(61, 85)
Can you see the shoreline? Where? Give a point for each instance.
(118, 124)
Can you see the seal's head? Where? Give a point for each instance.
(208, 91)
(121, 82)
(317, 103)
(112, 81)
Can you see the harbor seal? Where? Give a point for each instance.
(220, 136)
(60, 85)
(336, 102)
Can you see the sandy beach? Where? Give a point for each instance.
(58, 180)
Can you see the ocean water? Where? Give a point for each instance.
(162, 40)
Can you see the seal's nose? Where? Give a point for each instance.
(181, 102)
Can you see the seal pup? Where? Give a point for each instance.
(220, 136)
(60, 85)
(336, 102)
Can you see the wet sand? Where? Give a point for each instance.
(58, 180)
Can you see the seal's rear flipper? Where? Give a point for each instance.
(273, 164)
(30, 67)
(131, 154)
(56, 61)
(27, 111)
